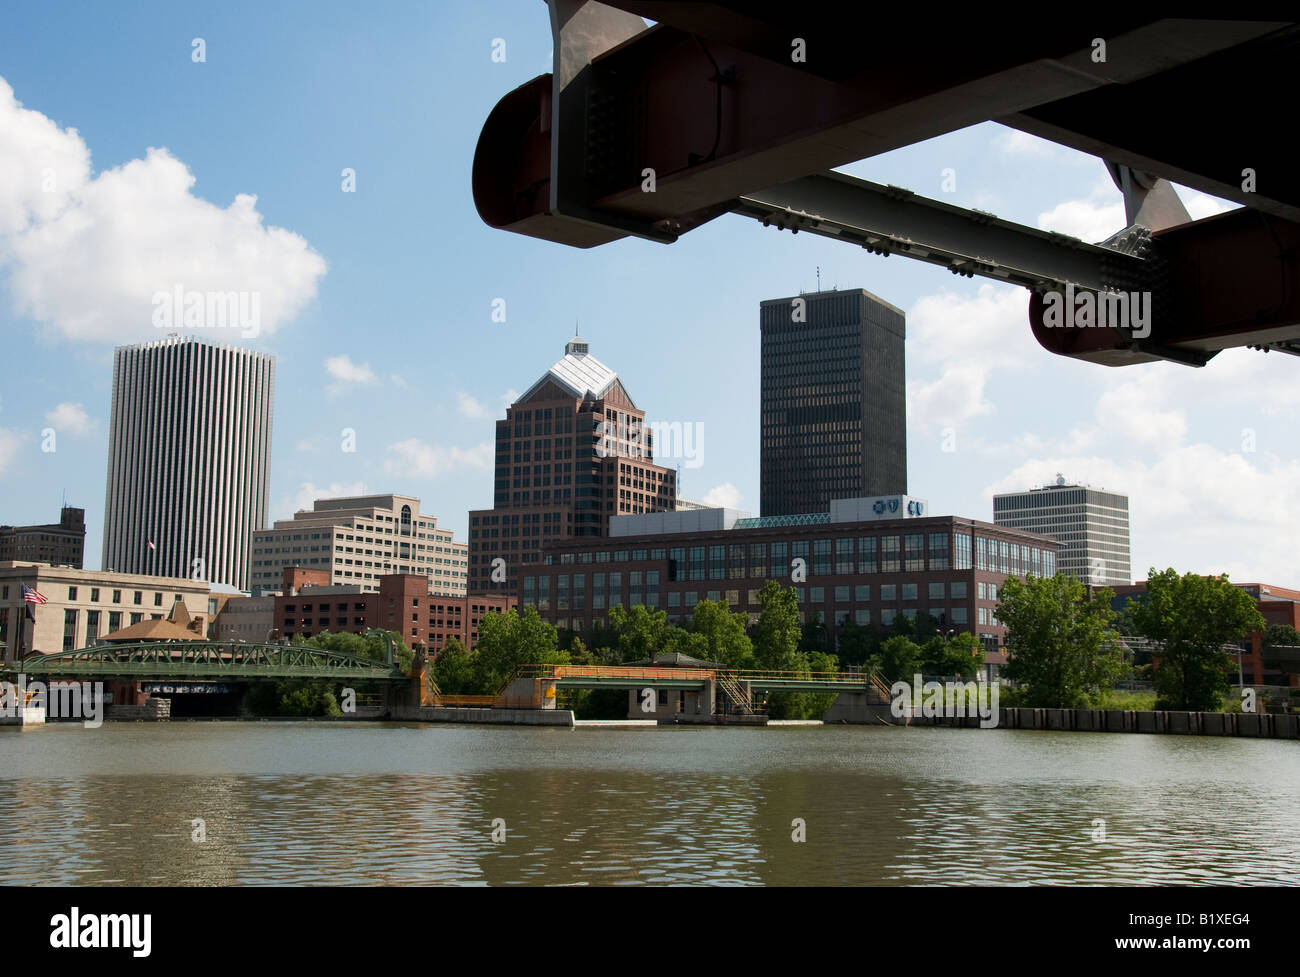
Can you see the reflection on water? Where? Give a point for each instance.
(383, 804)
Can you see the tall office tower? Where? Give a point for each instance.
(834, 408)
(357, 540)
(1090, 524)
(189, 447)
(571, 452)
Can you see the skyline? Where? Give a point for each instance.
(378, 304)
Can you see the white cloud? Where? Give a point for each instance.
(87, 254)
(1202, 204)
(1089, 220)
(1013, 142)
(724, 496)
(69, 418)
(9, 442)
(342, 369)
(309, 492)
(467, 406)
(414, 458)
(967, 337)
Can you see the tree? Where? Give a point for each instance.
(813, 635)
(370, 645)
(721, 634)
(857, 644)
(454, 669)
(506, 641)
(1281, 636)
(641, 632)
(1061, 647)
(1193, 617)
(779, 632)
(899, 659)
(962, 654)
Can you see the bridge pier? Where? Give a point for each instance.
(862, 707)
(528, 692)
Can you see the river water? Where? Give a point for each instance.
(372, 803)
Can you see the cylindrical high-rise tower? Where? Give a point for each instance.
(188, 457)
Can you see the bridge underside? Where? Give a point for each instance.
(747, 107)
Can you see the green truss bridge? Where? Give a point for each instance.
(207, 661)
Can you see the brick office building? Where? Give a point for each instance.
(1277, 605)
(311, 605)
(866, 561)
(571, 452)
(61, 544)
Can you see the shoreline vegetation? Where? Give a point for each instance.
(1064, 642)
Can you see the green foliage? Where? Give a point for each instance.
(641, 633)
(1281, 636)
(962, 654)
(310, 699)
(718, 635)
(1193, 617)
(506, 641)
(899, 659)
(857, 644)
(454, 670)
(371, 646)
(779, 632)
(1062, 649)
(813, 635)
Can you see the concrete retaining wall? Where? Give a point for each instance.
(1270, 725)
(154, 709)
(500, 717)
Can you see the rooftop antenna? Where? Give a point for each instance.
(819, 278)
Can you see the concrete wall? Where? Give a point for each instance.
(152, 709)
(504, 717)
(1271, 725)
(692, 710)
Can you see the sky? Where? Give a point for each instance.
(126, 166)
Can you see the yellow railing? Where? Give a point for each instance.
(466, 700)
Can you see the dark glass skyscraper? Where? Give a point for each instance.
(834, 409)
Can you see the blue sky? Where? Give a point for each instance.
(378, 303)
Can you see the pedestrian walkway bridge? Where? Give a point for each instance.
(536, 686)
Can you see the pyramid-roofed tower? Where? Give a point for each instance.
(572, 451)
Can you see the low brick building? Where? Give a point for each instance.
(310, 605)
(865, 561)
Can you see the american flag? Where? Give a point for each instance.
(33, 596)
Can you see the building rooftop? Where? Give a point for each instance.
(579, 373)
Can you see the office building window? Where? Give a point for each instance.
(866, 554)
(821, 557)
(889, 561)
(914, 551)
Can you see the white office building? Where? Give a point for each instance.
(359, 539)
(188, 456)
(1091, 524)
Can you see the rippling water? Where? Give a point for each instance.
(382, 804)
